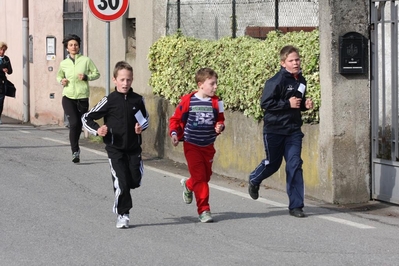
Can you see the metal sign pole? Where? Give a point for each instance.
(108, 11)
(107, 58)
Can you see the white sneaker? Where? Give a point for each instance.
(206, 217)
(122, 221)
(187, 194)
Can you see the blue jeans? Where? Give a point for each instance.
(277, 147)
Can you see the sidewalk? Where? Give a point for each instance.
(376, 210)
(9, 120)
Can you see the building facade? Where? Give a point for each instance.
(336, 153)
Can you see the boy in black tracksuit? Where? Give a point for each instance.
(125, 117)
(282, 100)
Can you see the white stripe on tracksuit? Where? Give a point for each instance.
(116, 184)
(97, 107)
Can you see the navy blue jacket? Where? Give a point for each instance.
(279, 117)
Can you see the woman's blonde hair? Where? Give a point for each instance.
(3, 44)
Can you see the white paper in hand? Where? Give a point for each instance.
(301, 88)
(221, 107)
(140, 118)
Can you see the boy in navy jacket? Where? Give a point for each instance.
(282, 100)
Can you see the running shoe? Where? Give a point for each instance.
(206, 217)
(122, 221)
(187, 194)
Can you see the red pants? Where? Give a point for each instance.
(199, 161)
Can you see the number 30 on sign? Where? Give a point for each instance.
(108, 10)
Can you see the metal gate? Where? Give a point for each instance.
(385, 103)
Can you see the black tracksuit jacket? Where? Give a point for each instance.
(118, 111)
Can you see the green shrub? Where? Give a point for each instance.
(243, 65)
(96, 139)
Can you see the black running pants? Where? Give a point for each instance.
(74, 109)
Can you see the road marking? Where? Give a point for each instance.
(228, 190)
(245, 195)
(23, 131)
(269, 202)
(83, 148)
(56, 140)
(231, 191)
(346, 222)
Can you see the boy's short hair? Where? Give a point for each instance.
(286, 50)
(3, 44)
(205, 73)
(69, 38)
(122, 65)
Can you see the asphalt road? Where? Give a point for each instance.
(54, 212)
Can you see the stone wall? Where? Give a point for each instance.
(344, 143)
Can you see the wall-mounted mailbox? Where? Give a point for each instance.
(352, 53)
(50, 47)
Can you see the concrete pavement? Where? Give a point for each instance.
(54, 212)
(376, 210)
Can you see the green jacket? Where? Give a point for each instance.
(77, 89)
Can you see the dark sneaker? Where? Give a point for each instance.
(187, 194)
(253, 190)
(206, 217)
(297, 212)
(76, 157)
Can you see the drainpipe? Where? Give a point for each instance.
(25, 62)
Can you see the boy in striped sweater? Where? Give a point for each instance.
(197, 121)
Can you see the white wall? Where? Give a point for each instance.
(11, 29)
(44, 19)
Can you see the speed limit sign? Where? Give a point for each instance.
(108, 10)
